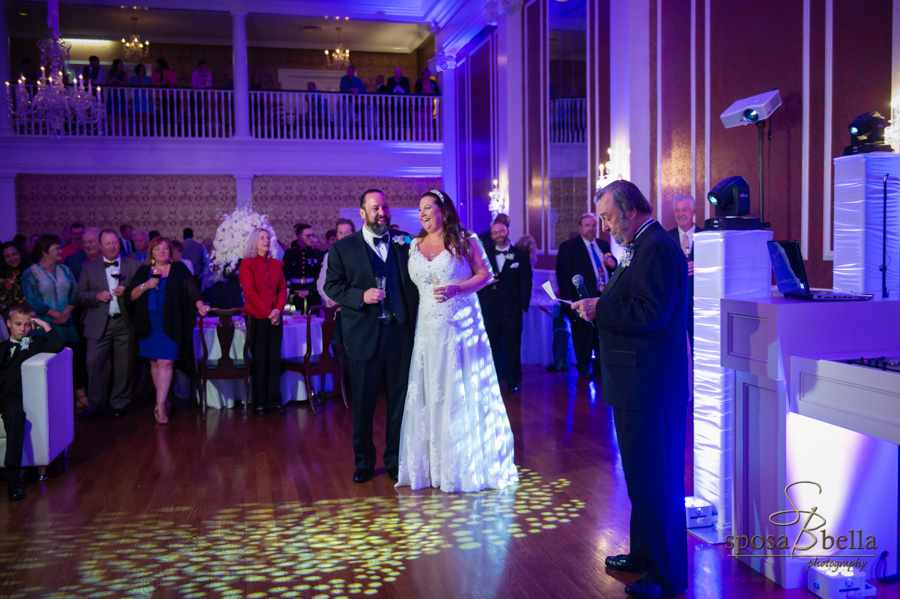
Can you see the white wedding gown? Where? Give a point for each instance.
(455, 433)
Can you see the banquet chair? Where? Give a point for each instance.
(49, 410)
(311, 365)
(225, 368)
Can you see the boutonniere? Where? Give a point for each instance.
(25, 342)
(626, 259)
(401, 239)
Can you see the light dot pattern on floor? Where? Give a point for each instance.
(334, 548)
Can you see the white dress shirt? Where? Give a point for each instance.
(501, 258)
(382, 248)
(112, 282)
(689, 234)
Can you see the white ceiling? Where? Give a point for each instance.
(164, 25)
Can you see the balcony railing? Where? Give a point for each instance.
(326, 115)
(568, 121)
(144, 112)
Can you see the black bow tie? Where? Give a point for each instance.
(501, 252)
(383, 239)
(108, 264)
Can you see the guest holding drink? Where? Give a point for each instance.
(49, 287)
(265, 294)
(163, 299)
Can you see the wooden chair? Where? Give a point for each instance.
(320, 364)
(225, 368)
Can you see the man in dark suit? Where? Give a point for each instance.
(111, 346)
(589, 257)
(641, 321)
(503, 304)
(378, 349)
(398, 84)
(13, 352)
(685, 208)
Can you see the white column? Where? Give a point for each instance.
(8, 207)
(241, 84)
(244, 184)
(5, 126)
(446, 64)
(630, 91)
(511, 109)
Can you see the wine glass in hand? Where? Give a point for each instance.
(381, 283)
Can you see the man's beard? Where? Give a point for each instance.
(624, 225)
(374, 227)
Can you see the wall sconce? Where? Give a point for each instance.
(499, 204)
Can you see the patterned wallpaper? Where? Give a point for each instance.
(567, 197)
(167, 203)
(318, 200)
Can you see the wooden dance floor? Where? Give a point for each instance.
(267, 508)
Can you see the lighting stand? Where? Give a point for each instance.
(761, 126)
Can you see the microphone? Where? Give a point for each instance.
(578, 281)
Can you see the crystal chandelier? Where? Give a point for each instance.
(135, 50)
(340, 56)
(51, 106)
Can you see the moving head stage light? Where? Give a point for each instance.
(731, 197)
(867, 135)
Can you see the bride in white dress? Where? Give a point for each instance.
(455, 433)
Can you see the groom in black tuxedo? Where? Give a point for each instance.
(504, 302)
(378, 349)
(641, 321)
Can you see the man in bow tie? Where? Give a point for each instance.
(378, 349)
(111, 346)
(13, 352)
(504, 302)
(641, 322)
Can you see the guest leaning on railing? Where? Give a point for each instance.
(163, 297)
(265, 294)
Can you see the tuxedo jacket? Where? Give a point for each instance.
(573, 259)
(677, 237)
(641, 321)
(90, 283)
(511, 294)
(348, 277)
(11, 365)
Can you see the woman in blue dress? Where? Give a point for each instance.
(164, 299)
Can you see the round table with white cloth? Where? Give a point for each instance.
(226, 393)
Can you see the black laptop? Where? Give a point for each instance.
(790, 276)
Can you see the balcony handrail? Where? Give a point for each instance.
(568, 120)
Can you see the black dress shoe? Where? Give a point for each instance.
(622, 563)
(513, 388)
(644, 588)
(362, 475)
(89, 413)
(118, 413)
(276, 410)
(14, 490)
(392, 472)
(259, 411)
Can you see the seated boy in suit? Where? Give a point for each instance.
(13, 352)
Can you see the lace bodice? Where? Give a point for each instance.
(449, 271)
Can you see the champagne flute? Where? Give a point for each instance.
(381, 283)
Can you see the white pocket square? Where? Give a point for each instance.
(514, 265)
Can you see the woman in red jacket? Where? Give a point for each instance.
(265, 295)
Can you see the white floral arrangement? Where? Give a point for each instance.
(232, 234)
(629, 254)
